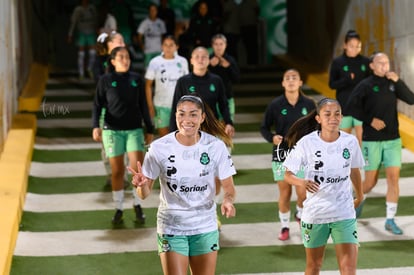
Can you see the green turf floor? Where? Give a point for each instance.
(230, 261)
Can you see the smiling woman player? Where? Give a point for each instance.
(186, 162)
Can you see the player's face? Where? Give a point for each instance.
(352, 47)
(117, 41)
(291, 81)
(153, 11)
(219, 46)
(121, 61)
(189, 117)
(203, 9)
(380, 65)
(200, 59)
(169, 48)
(330, 117)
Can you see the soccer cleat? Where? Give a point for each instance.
(391, 226)
(117, 218)
(284, 234)
(139, 214)
(358, 210)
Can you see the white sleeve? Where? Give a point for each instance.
(358, 160)
(151, 70)
(150, 167)
(225, 166)
(185, 66)
(74, 20)
(295, 159)
(110, 23)
(163, 28)
(141, 27)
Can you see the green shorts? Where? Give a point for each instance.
(317, 235)
(192, 245)
(86, 39)
(349, 122)
(162, 117)
(117, 142)
(232, 109)
(279, 171)
(102, 118)
(386, 152)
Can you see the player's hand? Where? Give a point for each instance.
(138, 179)
(97, 134)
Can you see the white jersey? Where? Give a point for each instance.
(329, 164)
(186, 175)
(166, 72)
(84, 19)
(152, 32)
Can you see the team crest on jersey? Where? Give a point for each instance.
(212, 88)
(134, 83)
(363, 68)
(191, 89)
(392, 87)
(345, 68)
(114, 84)
(346, 154)
(304, 111)
(204, 159)
(375, 89)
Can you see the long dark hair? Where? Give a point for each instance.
(306, 124)
(210, 124)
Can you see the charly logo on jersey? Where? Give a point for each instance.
(212, 88)
(284, 111)
(204, 158)
(346, 154)
(375, 89)
(163, 77)
(134, 83)
(192, 89)
(318, 165)
(345, 68)
(171, 170)
(114, 84)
